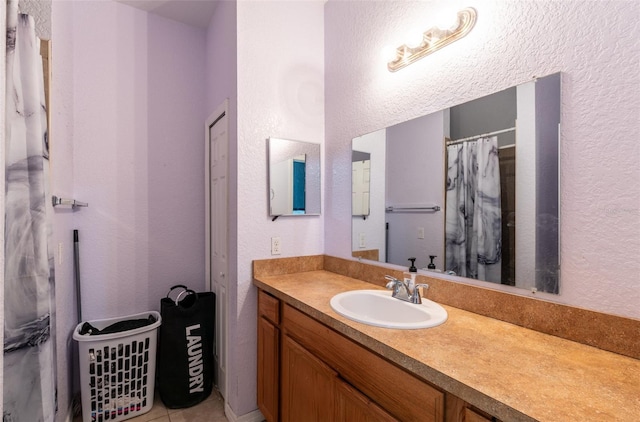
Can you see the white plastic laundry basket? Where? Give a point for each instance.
(117, 371)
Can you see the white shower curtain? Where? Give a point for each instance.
(29, 344)
(473, 216)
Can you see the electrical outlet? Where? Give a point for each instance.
(363, 243)
(275, 246)
(420, 232)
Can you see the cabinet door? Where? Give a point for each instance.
(472, 416)
(268, 366)
(353, 406)
(308, 385)
(374, 376)
(457, 410)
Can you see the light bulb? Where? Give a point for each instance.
(414, 39)
(389, 54)
(447, 21)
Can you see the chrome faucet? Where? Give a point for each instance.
(402, 291)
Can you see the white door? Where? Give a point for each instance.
(216, 169)
(360, 181)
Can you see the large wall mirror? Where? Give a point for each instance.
(470, 191)
(294, 178)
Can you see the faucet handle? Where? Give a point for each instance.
(425, 285)
(415, 298)
(393, 282)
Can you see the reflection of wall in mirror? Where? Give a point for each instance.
(281, 185)
(537, 207)
(369, 233)
(547, 183)
(415, 178)
(525, 186)
(286, 153)
(312, 181)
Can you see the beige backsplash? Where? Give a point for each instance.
(608, 332)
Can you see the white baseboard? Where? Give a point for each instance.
(255, 416)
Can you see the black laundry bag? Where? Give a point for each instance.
(185, 347)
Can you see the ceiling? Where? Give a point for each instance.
(191, 12)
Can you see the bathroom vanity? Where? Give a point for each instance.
(314, 364)
(323, 375)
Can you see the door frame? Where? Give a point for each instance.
(220, 111)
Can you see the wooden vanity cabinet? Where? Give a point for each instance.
(312, 391)
(353, 406)
(471, 415)
(308, 385)
(457, 410)
(309, 372)
(394, 390)
(268, 356)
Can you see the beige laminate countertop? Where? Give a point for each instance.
(513, 373)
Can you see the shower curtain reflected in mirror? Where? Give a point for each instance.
(473, 216)
(29, 344)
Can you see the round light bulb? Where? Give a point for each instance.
(447, 21)
(414, 39)
(389, 54)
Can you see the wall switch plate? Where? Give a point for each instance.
(60, 253)
(363, 243)
(420, 232)
(275, 246)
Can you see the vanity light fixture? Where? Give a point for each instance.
(432, 40)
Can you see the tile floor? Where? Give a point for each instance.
(210, 410)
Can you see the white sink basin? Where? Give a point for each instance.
(378, 308)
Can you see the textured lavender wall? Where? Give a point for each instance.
(137, 147)
(62, 110)
(415, 178)
(175, 150)
(596, 45)
(280, 94)
(128, 108)
(221, 83)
